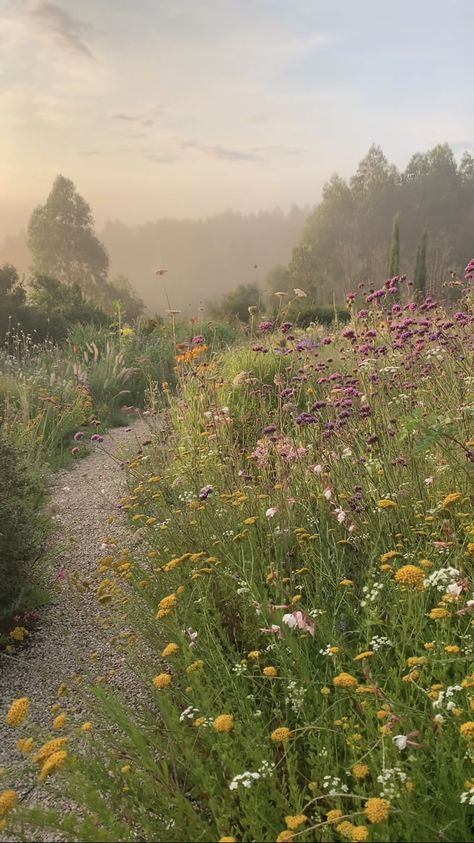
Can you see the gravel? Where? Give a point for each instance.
(82, 501)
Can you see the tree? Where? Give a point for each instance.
(394, 268)
(237, 302)
(62, 240)
(120, 289)
(420, 267)
(12, 296)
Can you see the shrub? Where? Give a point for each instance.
(22, 528)
(304, 316)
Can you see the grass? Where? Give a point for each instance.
(299, 612)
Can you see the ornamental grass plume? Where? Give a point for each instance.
(18, 712)
(52, 763)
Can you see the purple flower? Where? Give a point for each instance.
(266, 326)
(198, 340)
(96, 437)
(205, 492)
(305, 418)
(78, 436)
(270, 428)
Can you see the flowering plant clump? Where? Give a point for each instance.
(297, 601)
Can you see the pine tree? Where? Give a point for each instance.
(420, 267)
(394, 268)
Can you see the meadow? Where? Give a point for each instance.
(297, 612)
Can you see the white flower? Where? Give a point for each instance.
(290, 621)
(327, 494)
(300, 294)
(271, 511)
(400, 741)
(317, 469)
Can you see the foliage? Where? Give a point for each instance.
(304, 316)
(62, 240)
(420, 266)
(394, 266)
(12, 296)
(305, 569)
(236, 303)
(22, 528)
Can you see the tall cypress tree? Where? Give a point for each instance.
(420, 266)
(394, 267)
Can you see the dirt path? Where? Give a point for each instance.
(84, 506)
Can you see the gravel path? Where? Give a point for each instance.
(84, 506)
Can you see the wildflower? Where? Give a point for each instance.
(87, 727)
(385, 503)
(163, 680)
(59, 722)
(271, 512)
(25, 745)
(50, 748)
(452, 648)
(438, 614)
(451, 499)
(254, 655)
(365, 655)
(345, 680)
(285, 837)
(126, 769)
(325, 691)
(250, 521)
(359, 833)
(18, 712)
(197, 665)
(227, 840)
(377, 809)
(54, 761)
(360, 771)
(8, 800)
(409, 576)
(346, 583)
(170, 650)
(301, 621)
(390, 554)
(270, 671)
(345, 828)
(282, 734)
(295, 821)
(467, 730)
(224, 723)
(199, 721)
(333, 815)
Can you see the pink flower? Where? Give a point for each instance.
(271, 511)
(274, 629)
(301, 621)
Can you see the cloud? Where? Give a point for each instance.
(60, 28)
(222, 152)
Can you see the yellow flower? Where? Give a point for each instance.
(345, 828)
(254, 655)
(359, 833)
(449, 500)
(295, 821)
(365, 655)
(199, 721)
(62, 689)
(409, 576)
(282, 734)
(438, 614)
(333, 815)
(425, 563)
(377, 810)
(360, 771)
(250, 521)
(170, 650)
(197, 665)
(467, 730)
(18, 712)
(270, 671)
(345, 680)
(59, 722)
(163, 680)
(8, 800)
(19, 633)
(390, 554)
(346, 583)
(452, 648)
(50, 748)
(54, 761)
(285, 837)
(166, 605)
(86, 727)
(386, 504)
(227, 840)
(126, 769)
(325, 691)
(25, 745)
(224, 723)
(416, 661)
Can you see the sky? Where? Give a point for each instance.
(183, 108)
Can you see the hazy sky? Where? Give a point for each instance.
(186, 107)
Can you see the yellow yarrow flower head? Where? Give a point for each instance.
(365, 655)
(345, 829)
(360, 771)
(8, 800)
(385, 503)
(296, 820)
(228, 840)
(59, 722)
(377, 810)
(224, 723)
(345, 680)
(282, 734)
(333, 815)
(359, 833)
(170, 650)
(25, 745)
(270, 671)
(197, 665)
(438, 614)
(467, 730)
(52, 763)
(409, 576)
(451, 499)
(86, 727)
(163, 680)
(18, 712)
(285, 836)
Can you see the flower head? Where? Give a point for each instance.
(377, 809)
(410, 576)
(163, 680)
(281, 735)
(224, 723)
(345, 680)
(8, 800)
(52, 763)
(18, 712)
